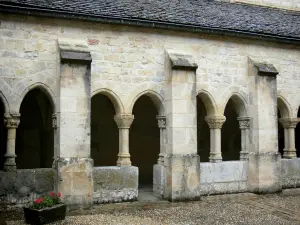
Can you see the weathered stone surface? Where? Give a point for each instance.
(223, 177)
(290, 177)
(265, 69)
(182, 177)
(158, 180)
(24, 186)
(115, 184)
(265, 170)
(75, 180)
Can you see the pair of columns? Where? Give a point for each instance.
(215, 124)
(124, 122)
(289, 125)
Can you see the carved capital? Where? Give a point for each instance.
(215, 122)
(124, 121)
(289, 122)
(12, 120)
(161, 121)
(244, 122)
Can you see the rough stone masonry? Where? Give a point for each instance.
(99, 100)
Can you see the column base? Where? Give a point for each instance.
(289, 153)
(244, 156)
(75, 181)
(10, 163)
(182, 181)
(264, 172)
(123, 160)
(215, 157)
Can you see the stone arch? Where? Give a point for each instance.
(156, 98)
(284, 107)
(209, 102)
(44, 88)
(239, 102)
(113, 97)
(4, 101)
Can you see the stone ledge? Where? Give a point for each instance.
(266, 69)
(182, 62)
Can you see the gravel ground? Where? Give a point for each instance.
(227, 209)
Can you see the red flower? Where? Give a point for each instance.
(38, 201)
(59, 195)
(52, 194)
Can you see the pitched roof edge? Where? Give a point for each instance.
(31, 11)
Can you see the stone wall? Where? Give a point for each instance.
(284, 4)
(115, 184)
(223, 177)
(24, 186)
(129, 62)
(290, 173)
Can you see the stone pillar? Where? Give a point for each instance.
(73, 164)
(12, 123)
(245, 139)
(124, 122)
(215, 124)
(289, 125)
(182, 164)
(264, 172)
(161, 120)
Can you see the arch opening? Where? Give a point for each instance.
(104, 131)
(281, 142)
(203, 132)
(3, 136)
(231, 133)
(35, 135)
(208, 102)
(144, 139)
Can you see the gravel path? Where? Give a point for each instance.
(227, 209)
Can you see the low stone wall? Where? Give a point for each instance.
(115, 184)
(290, 176)
(223, 177)
(24, 186)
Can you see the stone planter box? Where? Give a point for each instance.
(46, 215)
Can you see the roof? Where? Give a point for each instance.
(192, 15)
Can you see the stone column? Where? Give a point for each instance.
(245, 139)
(73, 164)
(161, 120)
(289, 125)
(12, 123)
(215, 124)
(124, 122)
(182, 163)
(264, 167)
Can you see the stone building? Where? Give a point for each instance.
(99, 98)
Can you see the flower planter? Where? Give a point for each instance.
(45, 215)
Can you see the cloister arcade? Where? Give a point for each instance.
(137, 136)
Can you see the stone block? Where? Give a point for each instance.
(182, 177)
(264, 172)
(75, 180)
(115, 184)
(290, 176)
(223, 177)
(158, 180)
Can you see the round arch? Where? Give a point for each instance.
(44, 88)
(156, 98)
(209, 102)
(284, 107)
(4, 101)
(239, 104)
(113, 97)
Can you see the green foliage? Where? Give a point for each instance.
(47, 201)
